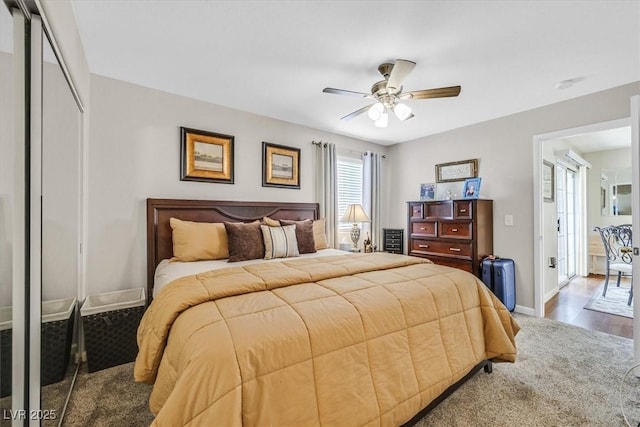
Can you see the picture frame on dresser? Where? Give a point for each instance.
(428, 191)
(471, 188)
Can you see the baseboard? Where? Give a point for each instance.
(551, 294)
(525, 310)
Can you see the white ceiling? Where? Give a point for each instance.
(274, 58)
(610, 139)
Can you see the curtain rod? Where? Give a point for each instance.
(365, 153)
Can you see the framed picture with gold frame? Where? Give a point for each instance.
(280, 166)
(206, 156)
(457, 171)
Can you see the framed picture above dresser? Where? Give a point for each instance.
(456, 233)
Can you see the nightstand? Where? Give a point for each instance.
(393, 240)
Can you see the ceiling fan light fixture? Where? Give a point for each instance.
(402, 111)
(376, 111)
(383, 121)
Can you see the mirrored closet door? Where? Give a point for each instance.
(61, 185)
(7, 172)
(40, 219)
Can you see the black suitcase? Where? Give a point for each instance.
(499, 274)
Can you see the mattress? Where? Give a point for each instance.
(168, 271)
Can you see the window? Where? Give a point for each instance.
(349, 187)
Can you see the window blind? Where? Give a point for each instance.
(349, 187)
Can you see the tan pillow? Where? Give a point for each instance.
(270, 222)
(195, 241)
(319, 238)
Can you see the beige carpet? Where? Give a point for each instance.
(564, 376)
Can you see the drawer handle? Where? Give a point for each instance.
(463, 210)
(454, 230)
(455, 249)
(423, 228)
(423, 246)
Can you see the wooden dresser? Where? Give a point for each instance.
(457, 233)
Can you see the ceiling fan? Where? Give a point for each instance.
(388, 94)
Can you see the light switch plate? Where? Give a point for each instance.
(508, 220)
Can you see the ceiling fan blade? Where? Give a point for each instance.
(399, 72)
(346, 92)
(442, 92)
(356, 113)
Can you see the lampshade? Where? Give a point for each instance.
(355, 213)
(383, 121)
(376, 111)
(402, 111)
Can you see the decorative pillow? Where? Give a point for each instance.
(304, 235)
(245, 241)
(271, 222)
(279, 242)
(195, 241)
(319, 237)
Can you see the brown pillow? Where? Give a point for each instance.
(318, 234)
(195, 241)
(304, 235)
(245, 241)
(271, 222)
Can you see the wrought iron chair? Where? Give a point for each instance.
(617, 244)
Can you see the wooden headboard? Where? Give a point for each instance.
(159, 211)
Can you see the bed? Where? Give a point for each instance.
(332, 338)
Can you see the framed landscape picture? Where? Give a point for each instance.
(206, 156)
(280, 166)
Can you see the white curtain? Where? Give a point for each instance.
(327, 188)
(371, 190)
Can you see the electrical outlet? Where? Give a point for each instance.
(508, 220)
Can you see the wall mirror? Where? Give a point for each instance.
(615, 192)
(61, 183)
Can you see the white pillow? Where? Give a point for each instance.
(280, 242)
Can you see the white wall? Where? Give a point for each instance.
(609, 159)
(504, 148)
(135, 154)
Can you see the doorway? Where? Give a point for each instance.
(556, 148)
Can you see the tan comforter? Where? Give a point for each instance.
(365, 339)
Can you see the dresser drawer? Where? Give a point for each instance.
(416, 210)
(455, 230)
(463, 209)
(424, 228)
(452, 262)
(434, 247)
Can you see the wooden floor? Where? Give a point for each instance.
(567, 306)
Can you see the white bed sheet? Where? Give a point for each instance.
(167, 271)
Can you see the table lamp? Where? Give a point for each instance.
(355, 214)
